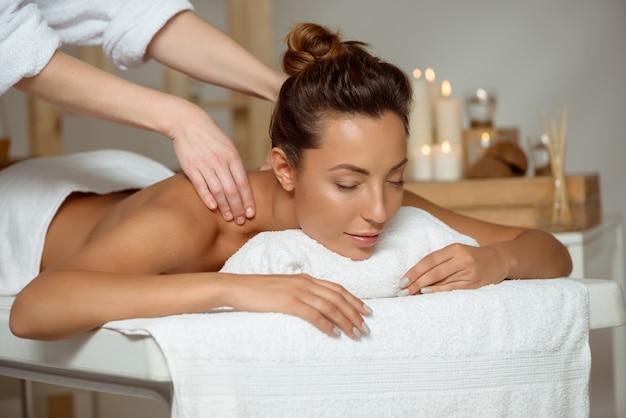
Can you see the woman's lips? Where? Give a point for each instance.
(366, 240)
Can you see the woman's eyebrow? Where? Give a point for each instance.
(400, 164)
(352, 167)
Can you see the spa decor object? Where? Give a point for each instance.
(480, 106)
(554, 213)
(502, 159)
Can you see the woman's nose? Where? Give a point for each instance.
(374, 208)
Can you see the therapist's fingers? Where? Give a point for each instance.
(216, 171)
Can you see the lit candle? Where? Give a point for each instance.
(434, 93)
(420, 163)
(449, 122)
(448, 162)
(420, 119)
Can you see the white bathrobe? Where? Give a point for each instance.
(31, 31)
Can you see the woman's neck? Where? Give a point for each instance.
(275, 209)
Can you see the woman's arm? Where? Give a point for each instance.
(193, 46)
(151, 265)
(207, 156)
(504, 253)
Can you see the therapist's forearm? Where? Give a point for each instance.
(81, 88)
(193, 46)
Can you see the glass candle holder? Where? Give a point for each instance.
(480, 106)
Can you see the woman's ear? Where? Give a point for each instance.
(282, 170)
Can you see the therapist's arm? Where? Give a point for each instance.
(206, 154)
(193, 46)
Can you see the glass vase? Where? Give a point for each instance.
(554, 212)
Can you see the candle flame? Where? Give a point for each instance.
(446, 89)
(482, 95)
(425, 149)
(429, 73)
(446, 147)
(417, 73)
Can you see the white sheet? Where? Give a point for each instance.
(519, 348)
(33, 190)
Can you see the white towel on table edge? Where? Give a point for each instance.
(519, 348)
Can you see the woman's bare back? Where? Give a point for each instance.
(84, 217)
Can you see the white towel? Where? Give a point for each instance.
(516, 349)
(412, 235)
(32, 191)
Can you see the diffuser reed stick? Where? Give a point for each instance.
(561, 212)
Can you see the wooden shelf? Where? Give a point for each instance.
(513, 200)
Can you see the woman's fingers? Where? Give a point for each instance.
(454, 267)
(326, 305)
(341, 308)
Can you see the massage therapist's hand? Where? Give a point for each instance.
(212, 163)
(326, 305)
(454, 267)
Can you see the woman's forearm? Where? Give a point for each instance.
(81, 88)
(59, 304)
(193, 46)
(534, 254)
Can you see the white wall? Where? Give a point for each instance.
(535, 53)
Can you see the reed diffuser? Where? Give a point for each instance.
(555, 214)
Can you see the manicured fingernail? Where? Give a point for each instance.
(337, 331)
(357, 333)
(249, 212)
(403, 292)
(228, 216)
(368, 309)
(426, 290)
(404, 281)
(240, 220)
(366, 329)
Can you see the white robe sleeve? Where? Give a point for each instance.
(27, 43)
(124, 28)
(30, 32)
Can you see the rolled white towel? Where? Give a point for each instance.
(413, 234)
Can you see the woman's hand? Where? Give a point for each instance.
(212, 164)
(326, 305)
(456, 266)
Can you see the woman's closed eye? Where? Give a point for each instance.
(346, 187)
(397, 183)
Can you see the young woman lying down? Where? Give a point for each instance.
(339, 153)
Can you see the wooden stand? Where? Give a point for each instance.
(514, 200)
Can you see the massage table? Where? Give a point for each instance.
(108, 361)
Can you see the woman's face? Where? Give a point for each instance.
(348, 191)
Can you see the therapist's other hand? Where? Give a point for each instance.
(212, 164)
(454, 267)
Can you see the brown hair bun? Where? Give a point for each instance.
(309, 43)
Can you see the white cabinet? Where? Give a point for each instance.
(598, 253)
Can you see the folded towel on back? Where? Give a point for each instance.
(411, 235)
(32, 191)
